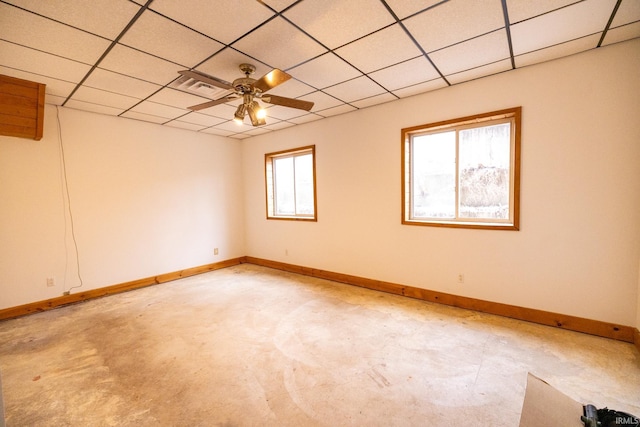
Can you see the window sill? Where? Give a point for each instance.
(462, 224)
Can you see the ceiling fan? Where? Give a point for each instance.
(246, 88)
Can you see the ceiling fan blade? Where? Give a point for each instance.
(288, 102)
(207, 79)
(208, 104)
(270, 80)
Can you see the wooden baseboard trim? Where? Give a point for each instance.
(572, 323)
(52, 303)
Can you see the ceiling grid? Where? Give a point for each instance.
(121, 57)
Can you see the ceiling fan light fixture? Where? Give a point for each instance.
(256, 114)
(238, 117)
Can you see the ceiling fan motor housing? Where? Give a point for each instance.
(244, 85)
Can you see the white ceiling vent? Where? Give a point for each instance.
(191, 85)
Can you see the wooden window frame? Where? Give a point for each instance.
(270, 188)
(406, 166)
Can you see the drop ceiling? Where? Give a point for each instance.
(120, 57)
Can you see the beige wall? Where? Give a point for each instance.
(145, 199)
(578, 249)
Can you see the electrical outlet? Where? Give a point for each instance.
(51, 282)
(460, 278)
(215, 251)
(286, 252)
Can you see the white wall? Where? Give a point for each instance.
(578, 248)
(145, 200)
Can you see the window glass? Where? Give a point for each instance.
(290, 184)
(284, 186)
(463, 172)
(434, 175)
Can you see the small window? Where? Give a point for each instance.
(291, 184)
(463, 172)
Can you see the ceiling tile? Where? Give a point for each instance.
(482, 71)
(619, 34)
(571, 22)
(629, 11)
(164, 38)
(292, 88)
(324, 71)
(132, 62)
(557, 51)
(353, 90)
(240, 136)
(380, 49)
(279, 125)
(94, 108)
(35, 61)
(224, 111)
(473, 53)
(337, 110)
(305, 119)
(374, 100)
(321, 101)
(18, 26)
(420, 88)
(404, 8)
(279, 44)
(184, 125)
(224, 20)
(201, 119)
(216, 131)
(279, 5)
(337, 22)
(118, 83)
(225, 65)
(101, 97)
(519, 10)
(105, 18)
(234, 127)
(143, 117)
(176, 98)
(455, 21)
(54, 100)
(282, 113)
(408, 73)
(160, 110)
(54, 87)
(258, 131)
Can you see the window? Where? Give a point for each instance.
(463, 172)
(291, 184)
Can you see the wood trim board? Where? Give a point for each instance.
(563, 321)
(39, 306)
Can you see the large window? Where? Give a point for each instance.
(463, 172)
(291, 184)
